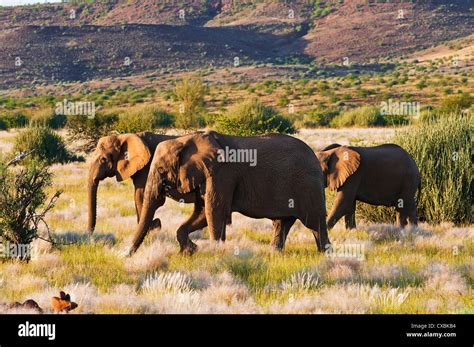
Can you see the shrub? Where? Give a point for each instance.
(22, 193)
(90, 130)
(457, 102)
(395, 119)
(145, 118)
(190, 94)
(319, 117)
(442, 151)
(253, 118)
(15, 119)
(3, 124)
(48, 118)
(48, 146)
(283, 101)
(361, 116)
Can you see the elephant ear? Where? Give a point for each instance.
(342, 163)
(134, 155)
(197, 161)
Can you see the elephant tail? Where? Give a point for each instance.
(418, 193)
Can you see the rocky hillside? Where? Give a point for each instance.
(79, 41)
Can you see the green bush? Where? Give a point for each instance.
(319, 117)
(145, 118)
(48, 146)
(15, 120)
(457, 102)
(3, 124)
(22, 194)
(48, 118)
(361, 116)
(253, 118)
(395, 119)
(442, 151)
(90, 130)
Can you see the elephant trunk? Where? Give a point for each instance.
(93, 184)
(151, 202)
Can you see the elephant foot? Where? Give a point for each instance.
(277, 249)
(155, 224)
(189, 249)
(327, 248)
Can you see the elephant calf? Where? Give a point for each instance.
(272, 176)
(382, 175)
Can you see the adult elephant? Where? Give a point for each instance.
(381, 175)
(125, 156)
(271, 176)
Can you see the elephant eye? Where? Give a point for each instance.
(161, 170)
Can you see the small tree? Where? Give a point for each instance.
(190, 94)
(22, 194)
(90, 130)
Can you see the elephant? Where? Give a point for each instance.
(381, 175)
(284, 183)
(125, 156)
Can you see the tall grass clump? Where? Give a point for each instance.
(253, 118)
(442, 151)
(47, 145)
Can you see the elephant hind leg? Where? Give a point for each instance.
(281, 228)
(411, 211)
(401, 218)
(407, 213)
(319, 228)
(412, 218)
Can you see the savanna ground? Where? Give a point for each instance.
(428, 269)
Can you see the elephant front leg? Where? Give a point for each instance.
(350, 218)
(217, 208)
(196, 221)
(139, 193)
(343, 204)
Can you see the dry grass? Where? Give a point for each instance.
(428, 269)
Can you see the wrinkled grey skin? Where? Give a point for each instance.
(286, 184)
(382, 175)
(125, 156)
